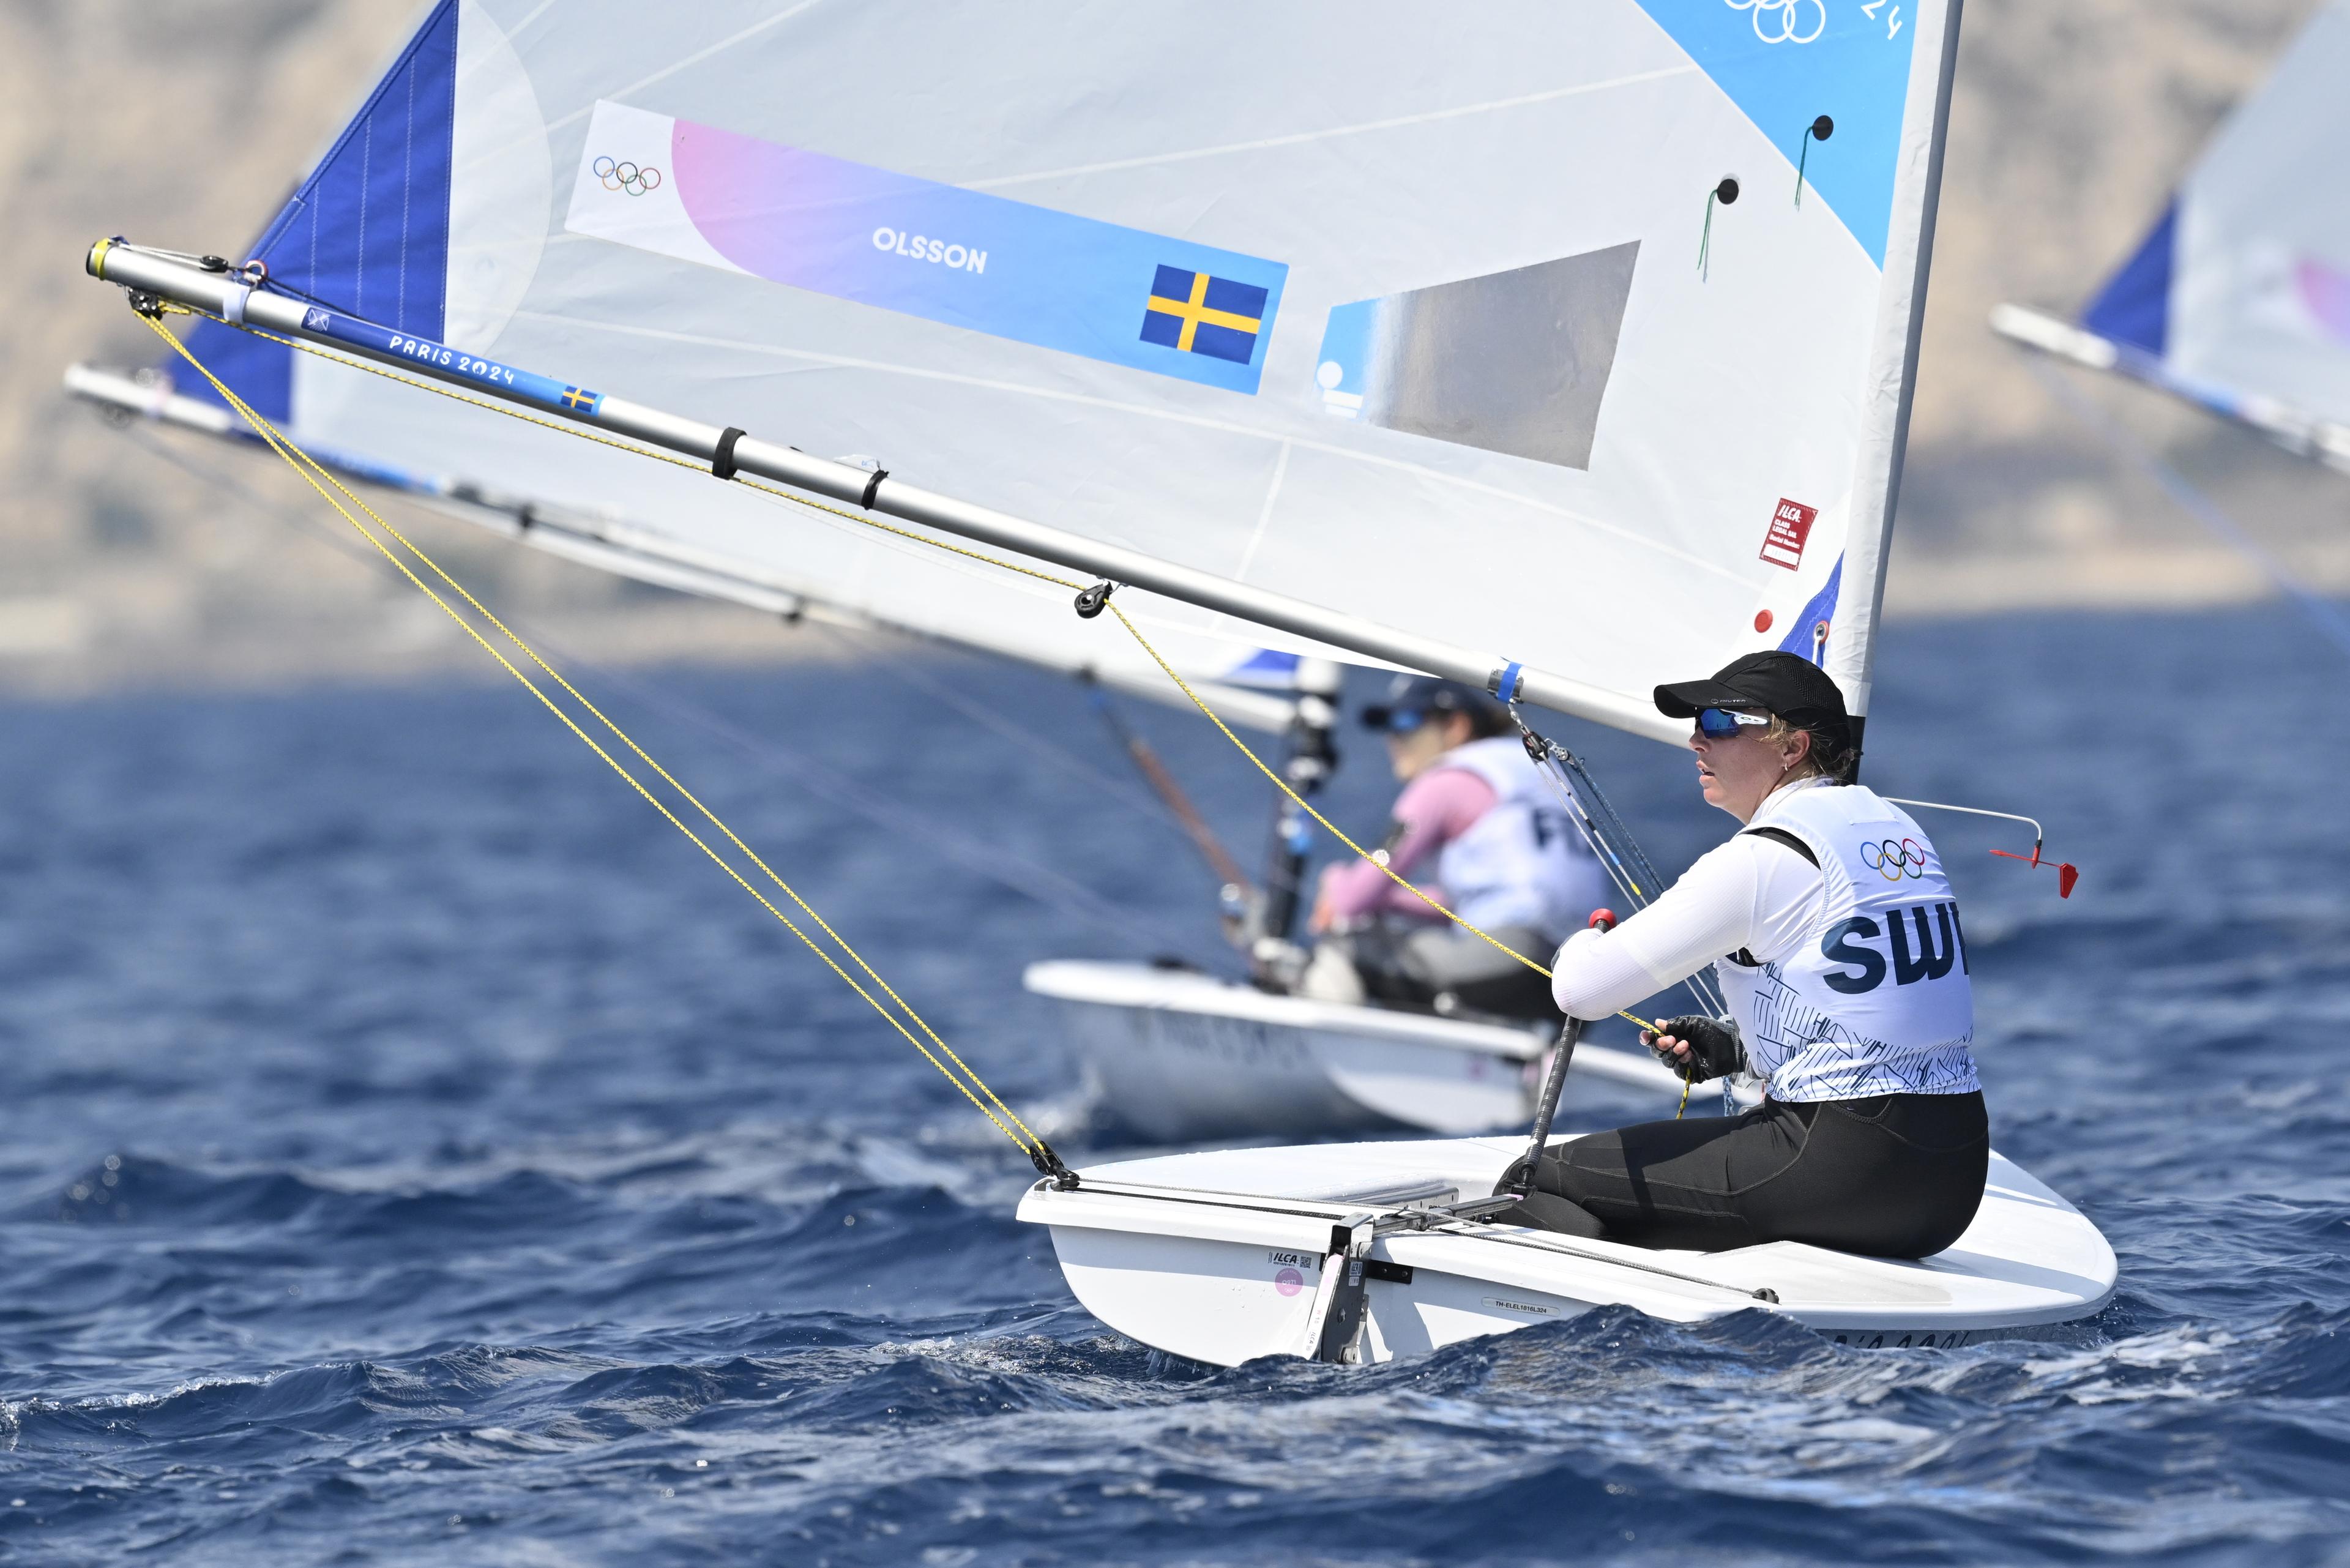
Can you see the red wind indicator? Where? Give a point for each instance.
(2067, 874)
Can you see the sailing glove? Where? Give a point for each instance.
(1715, 1049)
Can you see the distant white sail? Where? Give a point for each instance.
(2239, 298)
(1401, 315)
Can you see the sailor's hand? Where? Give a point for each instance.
(1696, 1047)
(1668, 1049)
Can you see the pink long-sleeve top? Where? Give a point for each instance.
(1433, 810)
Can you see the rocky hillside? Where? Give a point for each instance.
(184, 120)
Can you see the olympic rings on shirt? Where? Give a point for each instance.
(1787, 11)
(1895, 859)
(624, 176)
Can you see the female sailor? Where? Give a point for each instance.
(1838, 943)
(1503, 855)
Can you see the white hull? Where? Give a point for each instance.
(1226, 1256)
(1180, 1056)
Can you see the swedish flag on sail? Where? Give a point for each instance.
(1197, 314)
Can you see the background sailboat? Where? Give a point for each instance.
(2237, 300)
(1173, 1053)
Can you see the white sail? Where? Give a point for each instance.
(2239, 298)
(1443, 323)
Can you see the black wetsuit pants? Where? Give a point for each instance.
(1898, 1176)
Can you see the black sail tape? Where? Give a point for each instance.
(873, 488)
(721, 459)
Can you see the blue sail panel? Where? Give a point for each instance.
(1785, 63)
(258, 370)
(1266, 667)
(2134, 306)
(1806, 633)
(367, 232)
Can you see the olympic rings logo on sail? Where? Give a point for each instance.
(620, 175)
(1894, 860)
(1789, 12)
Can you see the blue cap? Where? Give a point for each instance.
(1412, 699)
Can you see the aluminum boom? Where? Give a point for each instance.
(227, 294)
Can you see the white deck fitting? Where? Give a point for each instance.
(1218, 1256)
(1182, 1055)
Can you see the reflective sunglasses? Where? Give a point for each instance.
(1720, 724)
(1404, 721)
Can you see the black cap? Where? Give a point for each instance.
(1421, 695)
(1785, 684)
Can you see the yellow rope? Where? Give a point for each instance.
(312, 472)
(867, 520)
(1282, 785)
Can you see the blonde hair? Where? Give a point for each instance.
(1824, 758)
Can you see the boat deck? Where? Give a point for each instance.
(1208, 1254)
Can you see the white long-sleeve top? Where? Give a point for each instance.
(1753, 893)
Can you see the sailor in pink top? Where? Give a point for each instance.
(1479, 831)
(1435, 808)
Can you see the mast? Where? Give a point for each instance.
(1851, 650)
(1313, 757)
(730, 450)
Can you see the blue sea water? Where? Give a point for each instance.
(416, 1152)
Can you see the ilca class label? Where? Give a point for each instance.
(1791, 526)
(1290, 1270)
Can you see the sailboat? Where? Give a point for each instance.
(1566, 353)
(2238, 299)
